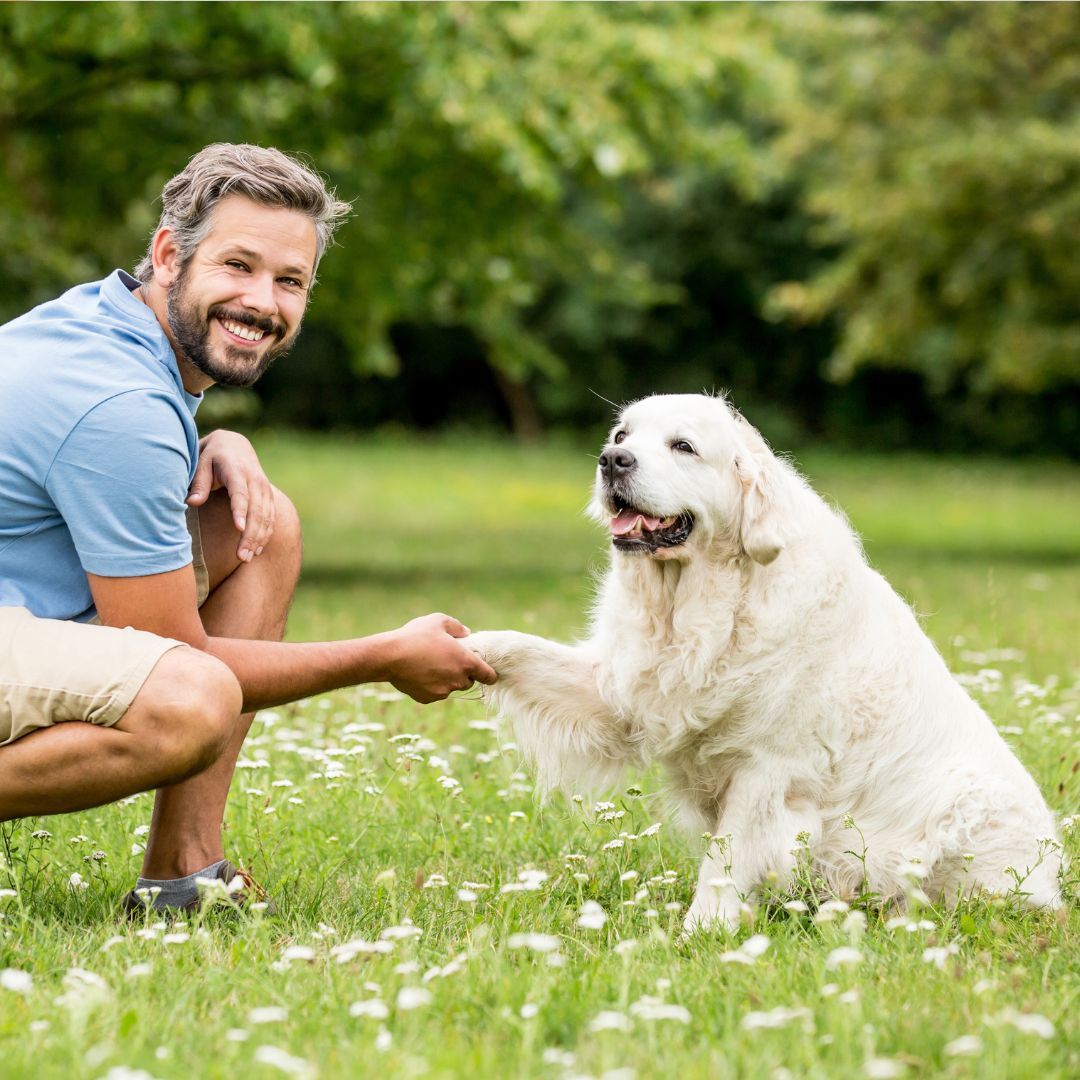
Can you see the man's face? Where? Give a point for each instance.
(236, 305)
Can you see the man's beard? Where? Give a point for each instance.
(191, 334)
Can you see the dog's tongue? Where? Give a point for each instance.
(630, 521)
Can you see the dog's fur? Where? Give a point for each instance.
(779, 681)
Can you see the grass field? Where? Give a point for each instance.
(436, 921)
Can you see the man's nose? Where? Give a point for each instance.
(258, 294)
(615, 462)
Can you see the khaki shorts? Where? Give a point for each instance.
(52, 670)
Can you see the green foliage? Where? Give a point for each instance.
(552, 198)
(484, 146)
(939, 145)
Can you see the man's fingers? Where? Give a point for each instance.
(238, 500)
(199, 491)
(483, 672)
(455, 628)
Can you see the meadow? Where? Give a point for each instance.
(436, 920)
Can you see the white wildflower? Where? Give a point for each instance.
(541, 943)
(592, 916)
(280, 1059)
(755, 946)
(965, 1046)
(1028, 1023)
(396, 933)
(843, 956)
(298, 952)
(884, 1068)
(774, 1018)
(650, 1008)
(938, 955)
(413, 997)
(268, 1014)
(608, 1020)
(373, 1008)
(18, 982)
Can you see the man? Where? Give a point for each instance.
(157, 624)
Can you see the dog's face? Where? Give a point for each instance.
(683, 472)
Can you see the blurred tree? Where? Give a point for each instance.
(486, 148)
(939, 148)
(859, 217)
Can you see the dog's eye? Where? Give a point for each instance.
(619, 436)
(683, 447)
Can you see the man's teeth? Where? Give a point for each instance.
(248, 333)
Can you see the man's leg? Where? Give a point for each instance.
(177, 723)
(247, 600)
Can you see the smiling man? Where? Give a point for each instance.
(145, 574)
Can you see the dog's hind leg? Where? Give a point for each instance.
(757, 837)
(549, 692)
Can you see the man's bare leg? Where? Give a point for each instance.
(247, 600)
(177, 724)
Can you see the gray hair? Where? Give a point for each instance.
(262, 174)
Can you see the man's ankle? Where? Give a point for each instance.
(165, 868)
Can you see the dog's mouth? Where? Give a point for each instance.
(636, 530)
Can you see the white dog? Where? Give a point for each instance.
(741, 640)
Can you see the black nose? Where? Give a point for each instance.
(615, 462)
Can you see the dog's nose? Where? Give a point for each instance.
(615, 461)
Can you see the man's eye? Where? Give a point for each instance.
(292, 282)
(683, 447)
(619, 436)
(236, 264)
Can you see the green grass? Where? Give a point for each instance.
(987, 552)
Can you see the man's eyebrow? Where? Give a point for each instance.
(255, 256)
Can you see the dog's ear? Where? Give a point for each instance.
(761, 528)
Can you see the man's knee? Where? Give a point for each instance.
(288, 540)
(186, 712)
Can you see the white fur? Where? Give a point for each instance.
(779, 681)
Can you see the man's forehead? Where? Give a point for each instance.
(272, 233)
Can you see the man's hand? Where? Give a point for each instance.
(429, 661)
(227, 460)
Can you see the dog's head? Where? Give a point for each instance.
(682, 472)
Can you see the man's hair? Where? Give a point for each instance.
(262, 174)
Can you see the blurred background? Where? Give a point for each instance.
(860, 219)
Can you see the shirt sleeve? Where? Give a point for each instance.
(119, 481)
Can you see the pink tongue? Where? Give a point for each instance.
(629, 521)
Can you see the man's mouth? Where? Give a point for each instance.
(251, 334)
(636, 530)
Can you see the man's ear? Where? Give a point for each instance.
(761, 529)
(165, 257)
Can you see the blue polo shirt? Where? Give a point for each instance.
(98, 446)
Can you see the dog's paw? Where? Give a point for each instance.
(494, 647)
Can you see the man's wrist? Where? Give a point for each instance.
(384, 655)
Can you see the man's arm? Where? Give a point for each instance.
(424, 658)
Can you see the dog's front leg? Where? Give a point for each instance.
(549, 691)
(756, 842)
